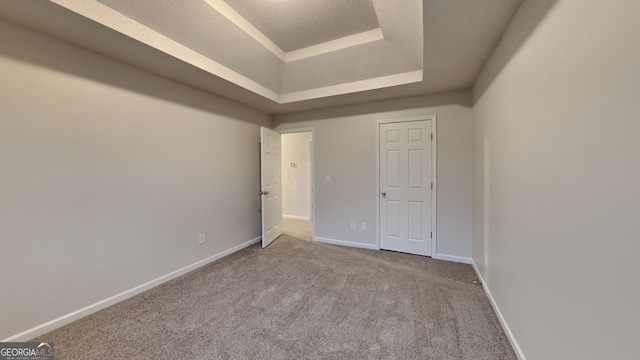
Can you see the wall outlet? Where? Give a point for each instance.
(201, 239)
(353, 225)
(363, 226)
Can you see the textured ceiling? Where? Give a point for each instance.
(295, 24)
(213, 36)
(328, 68)
(423, 47)
(194, 23)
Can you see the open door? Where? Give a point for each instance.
(271, 186)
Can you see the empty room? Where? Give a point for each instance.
(319, 179)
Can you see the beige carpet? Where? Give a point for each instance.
(298, 300)
(299, 229)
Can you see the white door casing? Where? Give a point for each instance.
(310, 176)
(271, 186)
(406, 194)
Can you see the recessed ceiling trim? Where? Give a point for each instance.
(314, 50)
(339, 52)
(335, 45)
(123, 24)
(352, 87)
(233, 16)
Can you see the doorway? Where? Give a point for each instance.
(406, 178)
(297, 183)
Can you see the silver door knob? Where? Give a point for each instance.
(264, 193)
(384, 194)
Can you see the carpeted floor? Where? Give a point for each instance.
(298, 300)
(299, 229)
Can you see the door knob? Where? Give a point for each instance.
(384, 194)
(264, 193)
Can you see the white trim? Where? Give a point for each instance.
(313, 171)
(434, 179)
(345, 243)
(503, 322)
(244, 25)
(293, 217)
(335, 45)
(434, 173)
(453, 258)
(296, 130)
(88, 310)
(310, 176)
(112, 19)
(377, 190)
(352, 87)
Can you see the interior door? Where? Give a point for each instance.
(271, 186)
(405, 187)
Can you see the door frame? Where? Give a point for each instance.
(434, 174)
(312, 171)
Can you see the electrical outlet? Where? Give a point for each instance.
(201, 240)
(363, 226)
(353, 225)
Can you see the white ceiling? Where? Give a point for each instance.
(286, 55)
(296, 24)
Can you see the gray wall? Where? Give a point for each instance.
(556, 174)
(345, 144)
(104, 188)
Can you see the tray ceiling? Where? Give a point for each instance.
(286, 55)
(212, 35)
(296, 24)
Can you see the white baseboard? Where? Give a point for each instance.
(458, 259)
(346, 243)
(88, 310)
(293, 217)
(503, 322)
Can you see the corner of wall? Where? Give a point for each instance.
(525, 21)
(494, 305)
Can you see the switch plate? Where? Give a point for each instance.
(201, 239)
(327, 178)
(363, 226)
(353, 225)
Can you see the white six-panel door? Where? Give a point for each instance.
(271, 186)
(406, 187)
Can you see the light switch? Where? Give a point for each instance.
(285, 175)
(327, 178)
